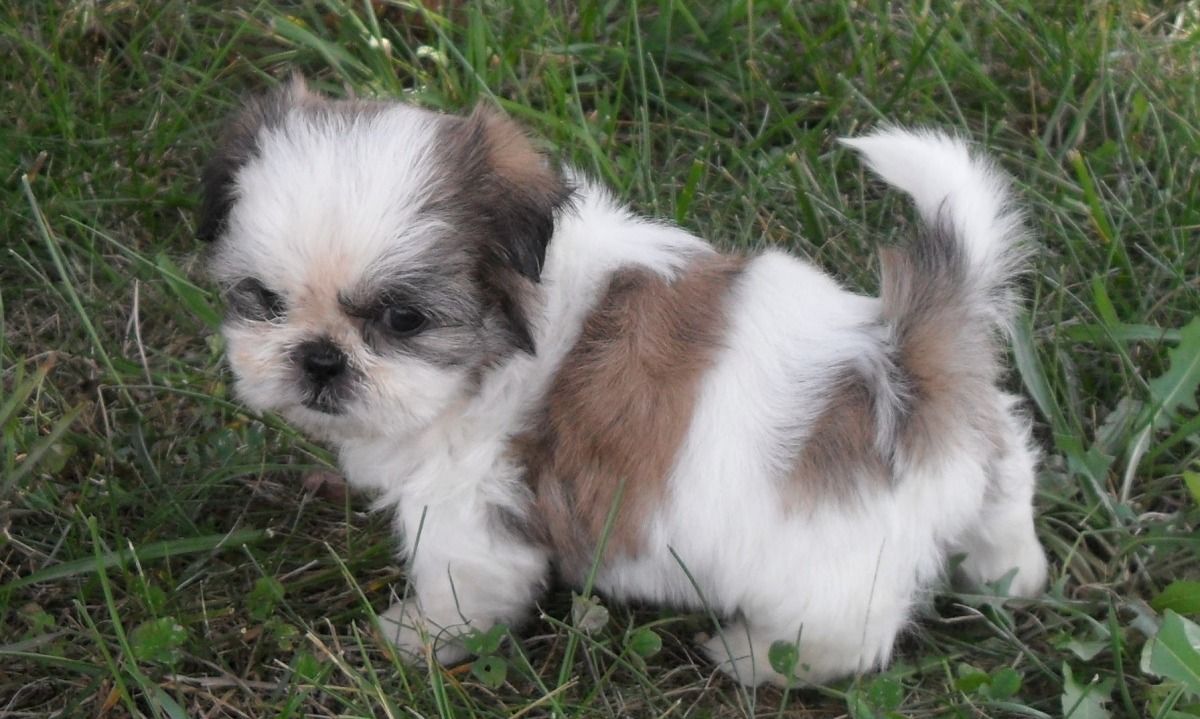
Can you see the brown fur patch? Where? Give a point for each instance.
(619, 408)
(840, 454)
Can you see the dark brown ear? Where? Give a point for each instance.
(237, 146)
(518, 189)
(510, 195)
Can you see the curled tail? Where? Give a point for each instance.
(947, 294)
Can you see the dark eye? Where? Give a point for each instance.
(250, 298)
(401, 320)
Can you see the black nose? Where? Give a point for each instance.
(321, 360)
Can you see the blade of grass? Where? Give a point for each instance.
(38, 450)
(154, 550)
(68, 286)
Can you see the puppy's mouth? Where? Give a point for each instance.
(324, 400)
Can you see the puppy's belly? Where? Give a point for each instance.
(743, 549)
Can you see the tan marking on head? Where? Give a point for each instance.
(315, 306)
(620, 406)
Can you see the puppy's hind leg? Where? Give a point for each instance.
(1002, 538)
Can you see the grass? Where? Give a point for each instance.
(165, 553)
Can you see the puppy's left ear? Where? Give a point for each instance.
(518, 190)
(237, 146)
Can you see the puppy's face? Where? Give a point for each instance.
(376, 259)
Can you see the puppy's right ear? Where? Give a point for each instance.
(237, 146)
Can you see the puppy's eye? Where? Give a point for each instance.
(402, 321)
(252, 299)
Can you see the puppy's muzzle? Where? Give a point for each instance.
(325, 367)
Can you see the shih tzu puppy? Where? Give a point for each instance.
(535, 379)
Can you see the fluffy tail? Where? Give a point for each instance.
(947, 293)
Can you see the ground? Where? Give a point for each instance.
(165, 552)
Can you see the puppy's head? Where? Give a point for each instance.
(376, 258)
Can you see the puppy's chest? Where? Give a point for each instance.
(451, 469)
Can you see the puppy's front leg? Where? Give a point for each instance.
(467, 571)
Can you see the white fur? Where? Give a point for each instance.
(945, 182)
(842, 578)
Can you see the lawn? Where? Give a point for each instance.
(165, 552)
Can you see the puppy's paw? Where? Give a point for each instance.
(1021, 560)
(1033, 574)
(416, 639)
(740, 658)
(1031, 568)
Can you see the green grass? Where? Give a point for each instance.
(159, 552)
